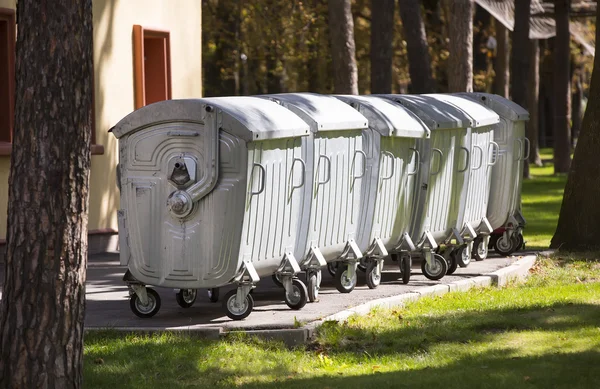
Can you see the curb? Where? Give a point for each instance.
(518, 271)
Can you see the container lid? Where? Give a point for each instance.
(480, 115)
(249, 118)
(502, 106)
(322, 113)
(388, 117)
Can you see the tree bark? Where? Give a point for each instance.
(576, 107)
(343, 49)
(519, 58)
(501, 81)
(562, 50)
(419, 61)
(43, 297)
(533, 104)
(460, 61)
(382, 34)
(578, 227)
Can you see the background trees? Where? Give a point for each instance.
(41, 328)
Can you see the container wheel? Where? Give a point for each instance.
(462, 256)
(297, 298)
(213, 295)
(332, 267)
(480, 250)
(506, 247)
(313, 287)
(276, 280)
(520, 242)
(452, 265)
(436, 270)
(373, 279)
(363, 265)
(148, 310)
(342, 283)
(232, 309)
(405, 265)
(186, 297)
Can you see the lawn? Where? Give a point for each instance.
(541, 199)
(541, 334)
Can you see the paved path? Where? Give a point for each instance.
(108, 305)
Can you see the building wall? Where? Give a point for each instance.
(114, 85)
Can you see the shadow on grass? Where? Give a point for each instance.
(181, 361)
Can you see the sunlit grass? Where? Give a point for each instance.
(544, 333)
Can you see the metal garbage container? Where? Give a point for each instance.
(504, 207)
(390, 186)
(211, 192)
(336, 166)
(446, 164)
(484, 155)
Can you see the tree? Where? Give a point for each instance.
(343, 52)
(533, 101)
(519, 58)
(460, 28)
(501, 81)
(419, 61)
(578, 227)
(43, 302)
(562, 80)
(382, 34)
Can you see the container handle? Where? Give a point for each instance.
(328, 169)
(495, 153)
(480, 157)
(364, 169)
(439, 162)
(468, 161)
(303, 173)
(263, 172)
(520, 148)
(393, 164)
(417, 161)
(527, 148)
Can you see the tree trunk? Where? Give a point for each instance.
(576, 105)
(481, 24)
(578, 227)
(43, 297)
(562, 50)
(501, 81)
(419, 62)
(343, 49)
(382, 34)
(533, 105)
(460, 61)
(519, 59)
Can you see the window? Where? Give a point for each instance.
(7, 76)
(152, 65)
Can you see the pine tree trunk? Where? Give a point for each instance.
(460, 28)
(562, 50)
(501, 81)
(43, 297)
(419, 62)
(578, 227)
(382, 34)
(519, 58)
(533, 104)
(343, 49)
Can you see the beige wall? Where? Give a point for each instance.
(113, 62)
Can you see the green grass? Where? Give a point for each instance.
(545, 333)
(541, 198)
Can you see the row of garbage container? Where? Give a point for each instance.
(230, 190)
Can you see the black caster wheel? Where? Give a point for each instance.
(480, 250)
(312, 280)
(437, 270)
(332, 267)
(405, 265)
(342, 283)
(462, 256)
(277, 281)
(148, 310)
(452, 265)
(506, 247)
(186, 297)
(373, 279)
(213, 295)
(298, 297)
(235, 311)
